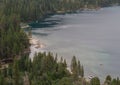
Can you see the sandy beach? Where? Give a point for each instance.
(36, 46)
(36, 43)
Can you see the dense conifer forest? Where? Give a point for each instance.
(45, 69)
(29, 10)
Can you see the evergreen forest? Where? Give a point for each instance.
(16, 68)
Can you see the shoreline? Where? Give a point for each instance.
(35, 46)
(36, 43)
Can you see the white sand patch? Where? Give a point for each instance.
(36, 46)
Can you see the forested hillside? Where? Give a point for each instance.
(29, 10)
(13, 41)
(45, 69)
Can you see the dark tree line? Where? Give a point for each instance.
(13, 40)
(30, 10)
(76, 68)
(46, 69)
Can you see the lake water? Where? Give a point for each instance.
(92, 36)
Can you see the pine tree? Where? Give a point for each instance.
(16, 74)
(79, 68)
(95, 81)
(82, 71)
(65, 64)
(1, 79)
(108, 80)
(74, 68)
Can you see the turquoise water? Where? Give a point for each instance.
(92, 36)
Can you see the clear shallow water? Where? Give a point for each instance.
(92, 36)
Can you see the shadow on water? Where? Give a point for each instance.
(45, 22)
(50, 20)
(45, 25)
(41, 34)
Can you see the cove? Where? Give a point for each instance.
(92, 36)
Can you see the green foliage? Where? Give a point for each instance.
(76, 68)
(16, 74)
(95, 81)
(64, 81)
(13, 41)
(108, 80)
(30, 10)
(45, 69)
(1, 79)
(23, 71)
(115, 82)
